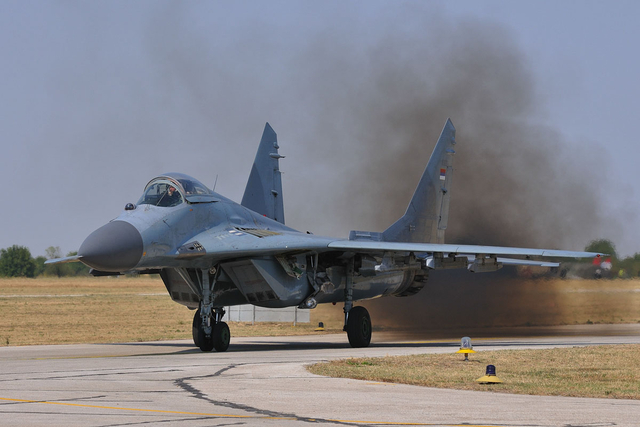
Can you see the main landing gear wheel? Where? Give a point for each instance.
(221, 336)
(359, 327)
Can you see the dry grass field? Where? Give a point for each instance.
(122, 309)
(605, 371)
(103, 310)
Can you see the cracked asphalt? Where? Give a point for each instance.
(263, 381)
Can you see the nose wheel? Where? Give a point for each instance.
(208, 329)
(218, 338)
(221, 336)
(200, 337)
(195, 328)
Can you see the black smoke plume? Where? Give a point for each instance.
(516, 182)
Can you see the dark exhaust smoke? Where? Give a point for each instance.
(516, 181)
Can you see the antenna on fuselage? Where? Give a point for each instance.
(215, 183)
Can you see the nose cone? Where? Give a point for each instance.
(116, 246)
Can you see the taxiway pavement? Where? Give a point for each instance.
(263, 381)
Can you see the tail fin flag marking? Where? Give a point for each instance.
(263, 193)
(427, 215)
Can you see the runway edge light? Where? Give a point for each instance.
(490, 376)
(465, 348)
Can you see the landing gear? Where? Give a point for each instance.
(204, 342)
(357, 322)
(219, 336)
(358, 327)
(200, 337)
(195, 328)
(208, 329)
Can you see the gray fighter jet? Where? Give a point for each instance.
(212, 252)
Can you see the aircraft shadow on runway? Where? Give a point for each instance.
(283, 345)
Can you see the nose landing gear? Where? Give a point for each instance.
(208, 329)
(219, 335)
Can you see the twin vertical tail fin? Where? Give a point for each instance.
(263, 193)
(427, 214)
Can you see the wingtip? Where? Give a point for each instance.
(64, 260)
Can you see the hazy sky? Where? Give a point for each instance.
(99, 97)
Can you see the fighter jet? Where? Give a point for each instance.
(213, 253)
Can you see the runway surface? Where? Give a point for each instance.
(263, 381)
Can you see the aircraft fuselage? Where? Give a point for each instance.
(173, 241)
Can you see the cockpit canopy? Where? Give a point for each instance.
(173, 189)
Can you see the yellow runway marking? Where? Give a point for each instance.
(160, 411)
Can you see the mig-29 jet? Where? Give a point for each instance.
(212, 252)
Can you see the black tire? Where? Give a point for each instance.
(205, 343)
(221, 336)
(199, 337)
(195, 327)
(359, 327)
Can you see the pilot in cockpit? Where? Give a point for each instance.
(172, 197)
(171, 192)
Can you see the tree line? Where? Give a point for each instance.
(17, 261)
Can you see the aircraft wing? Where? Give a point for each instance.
(64, 260)
(430, 248)
(248, 242)
(245, 242)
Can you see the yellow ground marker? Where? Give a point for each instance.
(465, 348)
(490, 376)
